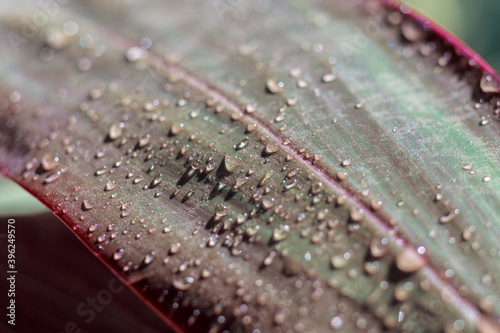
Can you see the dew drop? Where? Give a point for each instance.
(148, 258)
(330, 77)
(281, 232)
(346, 162)
(271, 148)
(183, 283)
(488, 84)
(176, 129)
(50, 162)
(450, 217)
(251, 108)
(409, 261)
(175, 248)
(412, 31)
(357, 215)
(53, 177)
(230, 164)
(118, 254)
(268, 260)
(110, 186)
(378, 248)
(87, 205)
(144, 140)
(274, 87)
(115, 131)
(136, 53)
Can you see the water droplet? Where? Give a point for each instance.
(450, 217)
(274, 87)
(115, 131)
(302, 84)
(271, 148)
(183, 283)
(155, 182)
(118, 254)
(144, 140)
(148, 258)
(251, 108)
(268, 260)
(220, 212)
(378, 248)
(50, 162)
(409, 261)
(412, 31)
(330, 77)
(295, 72)
(357, 214)
(176, 129)
(346, 162)
(136, 53)
(242, 144)
(268, 203)
(87, 205)
(53, 177)
(292, 101)
(376, 204)
(281, 232)
(489, 84)
(230, 164)
(110, 186)
(175, 248)
(341, 175)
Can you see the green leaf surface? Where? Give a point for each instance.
(277, 166)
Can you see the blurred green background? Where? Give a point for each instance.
(476, 22)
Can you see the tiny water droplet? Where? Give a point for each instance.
(53, 177)
(281, 232)
(271, 148)
(230, 164)
(409, 261)
(274, 87)
(268, 260)
(449, 217)
(329, 77)
(346, 162)
(50, 162)
(148, 258)
(115, 131)
(118, 254)
(175, 248)
(110, 186)
(87, 205)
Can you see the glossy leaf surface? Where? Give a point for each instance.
(293, 165)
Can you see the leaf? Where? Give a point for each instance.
(55, 289)
(291, 166)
